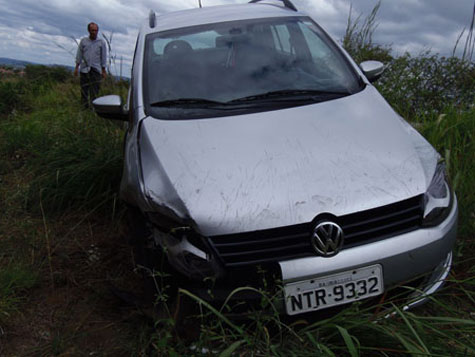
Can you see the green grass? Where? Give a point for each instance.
(452, 134)
(73, 156)
(354, 331)
(58, 160)
(15, 280)
(426, 85)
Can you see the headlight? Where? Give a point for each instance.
(437, 199)
(187, 251)
(166, 220)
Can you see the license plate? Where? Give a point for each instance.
(333, 290)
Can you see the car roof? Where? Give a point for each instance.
(215, 14)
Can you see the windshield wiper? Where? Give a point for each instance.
(186, 102)
(294, 94)
(268, 98)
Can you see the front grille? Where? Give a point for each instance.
(292, 242)
(382, 222)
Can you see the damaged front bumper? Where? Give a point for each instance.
(425, 252)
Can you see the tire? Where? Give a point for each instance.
(150, 260)
(160, 283)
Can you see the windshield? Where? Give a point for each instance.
(244, 66)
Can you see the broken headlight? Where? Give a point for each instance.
(186, 249)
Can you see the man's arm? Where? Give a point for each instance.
(103, 59)
(76, 70)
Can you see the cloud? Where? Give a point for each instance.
(42, 30)
(419, 25)
(330, 14)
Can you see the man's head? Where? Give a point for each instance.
(93, 29)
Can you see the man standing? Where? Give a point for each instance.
(91, 60)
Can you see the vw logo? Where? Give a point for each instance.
(327, 239)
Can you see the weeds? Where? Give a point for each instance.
(80, 169)
(12, 93)
(358, 39)
(75, 157)
(353, 331)
(39, 75)
(415, 86)
(58, 160)
(425, 86)
(15, 279)
(452, 134)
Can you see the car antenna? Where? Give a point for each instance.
(287, 3)
(151, 19)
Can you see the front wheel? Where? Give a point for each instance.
(160, 284)
(149, 259)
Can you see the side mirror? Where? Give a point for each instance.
(372, 69)
(110, 107)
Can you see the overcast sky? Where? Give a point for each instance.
(43, 31)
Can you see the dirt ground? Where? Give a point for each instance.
(87, 298)
(77, 307)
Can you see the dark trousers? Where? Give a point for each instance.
(90, 84)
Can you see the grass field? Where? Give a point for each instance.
(65, 267)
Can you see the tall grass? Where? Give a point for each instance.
(15, 279)
(358, 38)
(74, 161)
(73, 156)
(428, 85)
(452, 133)
(11, 93)
(357, 330)
(81, 166)
(55, 159)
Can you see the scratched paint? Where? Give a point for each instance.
(285, 167)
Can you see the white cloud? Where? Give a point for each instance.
(34, 30)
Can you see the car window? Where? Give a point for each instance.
(204, 39)
(281, 37)
(322, 55)
(250, 65)
(318, 48)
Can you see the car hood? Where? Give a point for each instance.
(277, 168)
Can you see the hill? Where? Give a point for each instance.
(22, 64)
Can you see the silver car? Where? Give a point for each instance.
(257, 147)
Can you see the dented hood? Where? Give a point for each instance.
(283, 167)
